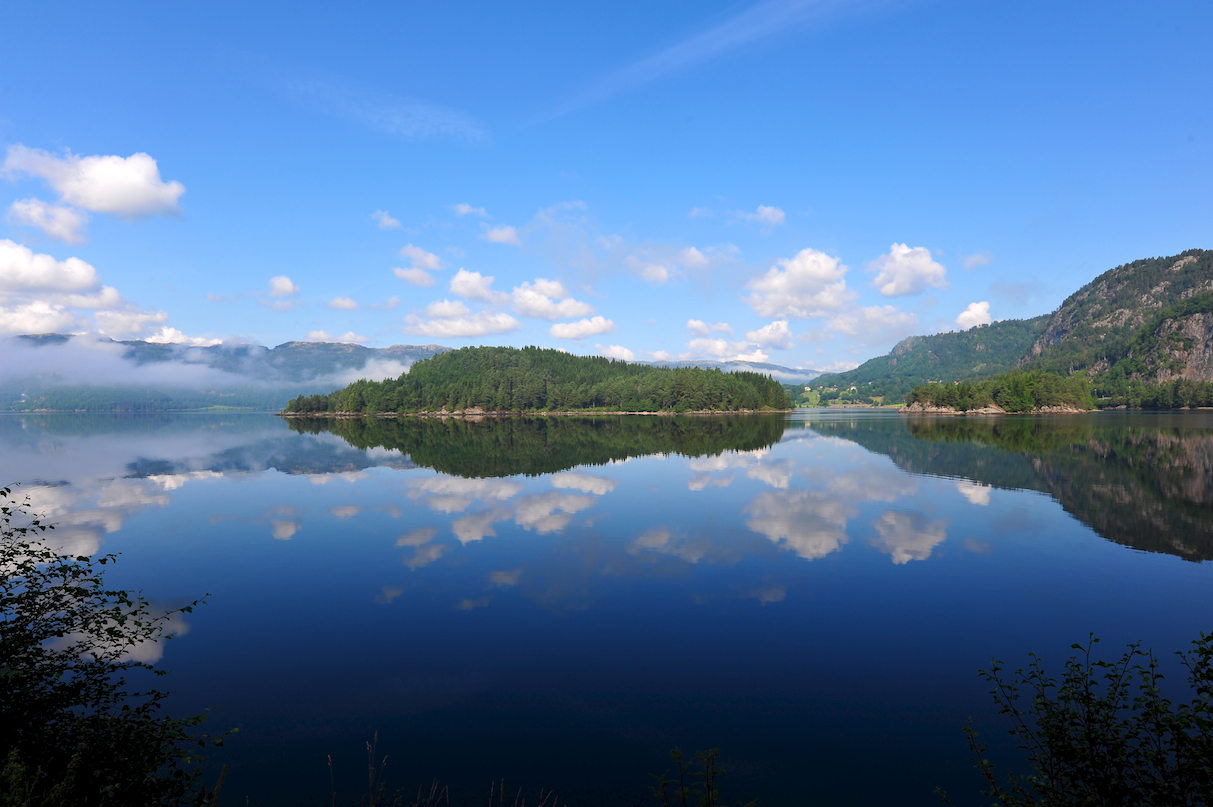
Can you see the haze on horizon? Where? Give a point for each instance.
(803, 182)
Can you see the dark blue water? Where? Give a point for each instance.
(813, 594)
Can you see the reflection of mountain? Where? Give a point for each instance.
(534, 446)
(1141, 481)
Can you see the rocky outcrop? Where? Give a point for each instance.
(918, 408)
(1192, 347)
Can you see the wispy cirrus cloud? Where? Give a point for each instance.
(757, 23)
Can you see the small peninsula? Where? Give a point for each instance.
(480, 381)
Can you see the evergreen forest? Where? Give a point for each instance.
(1019, 391)
(532, 379)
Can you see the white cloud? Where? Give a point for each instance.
(649, 270)
(582, 328)
(769, 217)
(64, 223)
(388, 305)
(976, 493)
(447, 308)
(22, 269)
(415, 277)
(475, 286)
(502, 235)
(385, 220)
(977, 259)
(38, 316)
(479, 324)
(907, 270)
(875, 323)
(811, 284)
(616, 352)
(127, 322)
(585, 483)
(776, 334)
(281, 286)
(692, 258)
(348, 336)
(548, 299)
(464, 209)
(975, 314)
(343, 303)
(698, 327)
(724, 350)
(127, 187)
(420, 258)
(167, 336)
(908, 536)
(661, 355)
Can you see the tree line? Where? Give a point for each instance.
(532, 379)
(1019, 391)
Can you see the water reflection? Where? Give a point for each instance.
(1145, 481)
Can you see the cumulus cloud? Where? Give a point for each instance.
(172, 336)
(616, 352)
(22, 269)
(811, 284)
(977, 259)
(481, 323)
(502, 235)
(767, 216)
(975, 314)
(724, 350)
(415, 277)
(348, 336)
(129, 321)
(582, 328)
(692, 258)
(385, 220)
(281, 286)
(342, 303)
(548, 299)
(907, 270)
(57, 221)
(700, 328)
(420, 258)
(651, 271)
(126, 187)
(464, 209)
(908, 536)
(776, 334)
(475, 286)
(810, 523)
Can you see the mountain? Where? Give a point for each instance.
(981, 351)
(62, 372)
(1142, 332)
(1150, 320)
(776, 371)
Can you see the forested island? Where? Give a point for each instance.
(1020, 391)
(500, 380)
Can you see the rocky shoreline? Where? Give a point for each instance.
(475, 413)
(991, 410)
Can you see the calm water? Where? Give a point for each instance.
(561, 602)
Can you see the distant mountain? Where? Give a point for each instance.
(61, 372)
(776, 371)
(981, 351)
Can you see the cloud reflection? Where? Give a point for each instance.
(811, 523)
(908, 536)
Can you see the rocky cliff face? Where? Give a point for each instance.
(1191, 340)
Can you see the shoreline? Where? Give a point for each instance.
(477, 414)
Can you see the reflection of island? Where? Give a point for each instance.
(534, 446)
(1141, 481)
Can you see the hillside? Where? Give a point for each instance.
(531, 379)
(776, 371)
(1136, 330)
(986, 350)
(85, 373)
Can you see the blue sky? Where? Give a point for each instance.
(798, 182)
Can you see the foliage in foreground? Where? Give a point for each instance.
(1015, 392)
(1104, 734)
(532, 379)
(73, 734)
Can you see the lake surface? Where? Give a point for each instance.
(560, 602)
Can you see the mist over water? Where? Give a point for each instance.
(561, 601)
